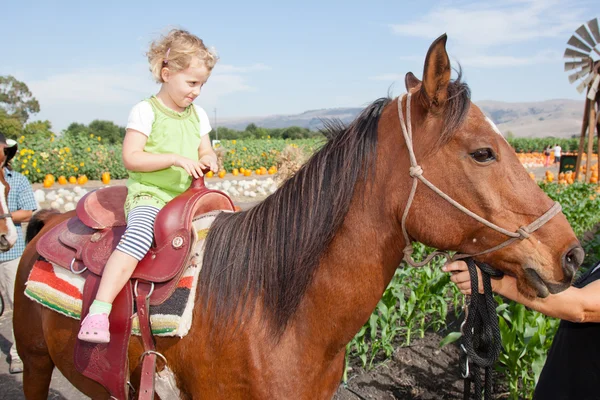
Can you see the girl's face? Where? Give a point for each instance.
(184, 86)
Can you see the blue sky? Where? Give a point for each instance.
(85, 60)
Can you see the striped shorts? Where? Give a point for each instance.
(137, 239)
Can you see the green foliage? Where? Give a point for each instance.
(580, 203)
(530, 145)
(16, 99)
(107, 130)
(253, 154)
(10, 127)
(526, 338)
(72, 154)
(38, 130)
(254, 132)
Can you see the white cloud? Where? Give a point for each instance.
(108, 93)
(480, 28)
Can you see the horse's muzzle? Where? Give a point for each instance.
(570, 262)
(4, 244)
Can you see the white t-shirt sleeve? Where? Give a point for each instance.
(204, 121)
(141, 118)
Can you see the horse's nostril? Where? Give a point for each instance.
(572, 260)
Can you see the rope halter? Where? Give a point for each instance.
(416, 172)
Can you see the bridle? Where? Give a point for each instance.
(416, 172)
(8, 215)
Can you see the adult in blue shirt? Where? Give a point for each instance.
(21, 204)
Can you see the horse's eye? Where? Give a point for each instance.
(483, 155)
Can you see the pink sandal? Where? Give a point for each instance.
(94, 329)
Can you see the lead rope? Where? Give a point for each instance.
(481, 342)
(416, 172)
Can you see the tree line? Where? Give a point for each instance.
(17, 105)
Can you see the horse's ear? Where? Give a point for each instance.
(436, 75)
(411, 81)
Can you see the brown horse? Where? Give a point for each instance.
(8, 232)
(286, 285)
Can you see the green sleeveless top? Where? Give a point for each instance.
(172, 132)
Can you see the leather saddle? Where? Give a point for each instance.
(84, 243)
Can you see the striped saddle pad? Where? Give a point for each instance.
(60, 290)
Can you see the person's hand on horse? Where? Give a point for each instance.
(192, 167)
(208, 163)
(460, 276)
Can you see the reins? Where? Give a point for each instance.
(416, 171)
(481, 342)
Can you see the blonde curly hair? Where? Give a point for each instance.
(176, 50)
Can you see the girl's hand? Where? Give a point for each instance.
(460, 276)
(194, 168)
(208, 162)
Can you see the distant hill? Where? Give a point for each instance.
(559, 118)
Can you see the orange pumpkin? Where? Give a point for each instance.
(48, 183)
(62, 180)
(235, 172)
(210, 174)
(82, 179)
(222, 173)
(105, 178)
(49, 178)
(72, 180)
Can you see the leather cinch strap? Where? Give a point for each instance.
(143, 290)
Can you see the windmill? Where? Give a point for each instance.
(584, 60)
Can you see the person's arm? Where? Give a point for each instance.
(26, 203)
(21, 216)
(136, 159)
(573, 304)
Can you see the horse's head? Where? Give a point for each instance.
(8, 232)
(462, 153)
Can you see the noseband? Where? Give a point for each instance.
(416, 172)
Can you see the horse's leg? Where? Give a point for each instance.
(37, 373)
(29, 336)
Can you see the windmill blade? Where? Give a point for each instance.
(588, 79)
(575, 42)
(585, 35)
(570, 53)
(593, 25)
(575, 64)
(581, 86)
(578, 75)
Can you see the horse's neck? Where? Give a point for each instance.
(353, 274)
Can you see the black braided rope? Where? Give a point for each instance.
(481, 343)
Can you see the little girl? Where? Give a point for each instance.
(166, 143)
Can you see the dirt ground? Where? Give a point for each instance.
(422, 371)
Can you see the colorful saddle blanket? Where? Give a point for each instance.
(60, 290)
